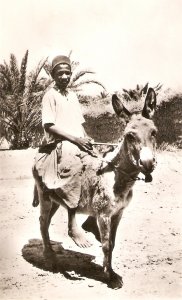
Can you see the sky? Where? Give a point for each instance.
(124, 41)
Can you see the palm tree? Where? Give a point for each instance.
(20, 98)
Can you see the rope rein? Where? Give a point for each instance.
(104, 144)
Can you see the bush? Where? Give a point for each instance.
(168, 119)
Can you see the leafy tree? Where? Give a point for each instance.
(20, 98)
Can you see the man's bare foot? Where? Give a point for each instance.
(77, 234)
(90, 225)
(79, 237)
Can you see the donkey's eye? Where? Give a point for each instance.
(130, 137)
(153, 133)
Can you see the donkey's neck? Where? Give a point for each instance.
(125, 163)
(123, 167)
(125, 175)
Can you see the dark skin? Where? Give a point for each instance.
(61, 75)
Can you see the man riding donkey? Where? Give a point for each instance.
(58, 162)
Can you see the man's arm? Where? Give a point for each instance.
(83, 143)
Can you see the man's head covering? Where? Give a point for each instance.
(60, 59)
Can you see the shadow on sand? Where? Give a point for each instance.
(73, 265)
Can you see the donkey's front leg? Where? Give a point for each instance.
(114, 280)
(114, 225)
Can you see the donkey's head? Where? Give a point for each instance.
(140, 133)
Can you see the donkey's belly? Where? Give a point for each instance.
(98, 196)
(96, 193)
(103, 205)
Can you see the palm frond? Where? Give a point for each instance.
(47, 67)
(78, 75)
(69, 55)
(7, 110)
(32, 124)
(23, 70)
(33, 77)
(5, 78)
(74, 64)
(76, 86)
(158, 87)
(9, 122)
(14, 71)
(42, 84)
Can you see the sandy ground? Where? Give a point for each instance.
(148, 252)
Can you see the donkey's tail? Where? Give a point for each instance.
(35, 202)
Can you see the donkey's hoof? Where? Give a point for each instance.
(35, 202)
(115, 281)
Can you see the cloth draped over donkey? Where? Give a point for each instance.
(61, 169)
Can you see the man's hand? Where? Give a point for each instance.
(85, 144)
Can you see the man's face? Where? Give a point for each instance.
(62, 75)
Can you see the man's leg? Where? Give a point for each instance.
(77, 234)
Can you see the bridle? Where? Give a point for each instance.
(111, 165)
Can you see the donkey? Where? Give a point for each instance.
(107, 191)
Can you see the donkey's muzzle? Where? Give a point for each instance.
(147, 160)
(146, 166)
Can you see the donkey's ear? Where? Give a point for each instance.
(150, 104)
(119, 108)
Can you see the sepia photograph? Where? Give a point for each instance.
(90, 149)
